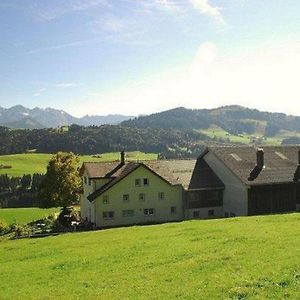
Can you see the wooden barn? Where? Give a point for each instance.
(256, 181)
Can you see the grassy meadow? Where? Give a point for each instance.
(236, 258)
(218, 132)
(25, 215)
(36, 162)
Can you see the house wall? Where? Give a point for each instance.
(87, 210)
(203, 213)
(203, 204)
(235, 196)
(172, 197)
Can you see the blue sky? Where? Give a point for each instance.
(142, 56)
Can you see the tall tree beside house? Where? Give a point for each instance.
(61, 183)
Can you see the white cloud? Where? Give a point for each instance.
(207, 9)
(39, 92)
(265, 78)
(65, 85)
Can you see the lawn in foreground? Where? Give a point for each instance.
(25, 215)
(37, 162)
(237, 258)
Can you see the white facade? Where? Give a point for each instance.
(235, 195)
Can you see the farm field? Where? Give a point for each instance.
(236, 258)
(218, 132)
(25, 215)
(36, 162)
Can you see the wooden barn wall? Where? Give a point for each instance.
(202, 199)
(298, 194)
(268, 199)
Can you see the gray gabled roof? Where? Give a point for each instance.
(280, 162)
(174, 172)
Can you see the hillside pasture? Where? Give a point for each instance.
(236, 258)
(30, 163)
(25, 215)
(218, 132)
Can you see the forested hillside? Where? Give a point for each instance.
(233, 119)
(106, 138)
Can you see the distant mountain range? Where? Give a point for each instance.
(21, 117)
(217, 124)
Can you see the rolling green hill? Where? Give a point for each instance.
(256, 126)
(25, 215)
(237, 258)
(36, 162)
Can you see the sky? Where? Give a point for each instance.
(136, 57)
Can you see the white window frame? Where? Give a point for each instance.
(161, 196)
(143, 198)
(126, 214)
(124, 198)
(105, 199)
(106, 214)
(148, 212)
(173, 210)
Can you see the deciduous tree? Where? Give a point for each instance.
(61, 183)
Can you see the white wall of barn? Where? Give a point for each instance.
(235, 196)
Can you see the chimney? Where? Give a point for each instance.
(122, 154)
(260, 162)
(297, 172)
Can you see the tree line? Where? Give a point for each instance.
(99, 139)
(20, 191)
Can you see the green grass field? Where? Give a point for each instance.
(36, 162)
(218, 132)
(24, 215)
(236, 258)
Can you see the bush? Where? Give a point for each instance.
(3, 227)
(20, 230)
(68, 215)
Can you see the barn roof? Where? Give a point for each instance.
(280, 162)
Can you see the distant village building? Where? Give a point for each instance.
(222, 182)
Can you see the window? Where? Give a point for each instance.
(138, 182)
(211, 212)
(90, 181)
(173, 209)
(128, 213)
(146, 181)
(108, 215)
(196, 213)
(85, 180)
(161, 196)
(105, 199)
(125, 198)
(149, 212)
(142, 197)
